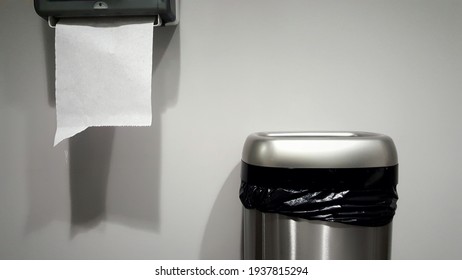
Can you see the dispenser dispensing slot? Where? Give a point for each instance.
(52, 21)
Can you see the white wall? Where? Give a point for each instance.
(231, 68)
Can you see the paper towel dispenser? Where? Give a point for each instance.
(165, 11)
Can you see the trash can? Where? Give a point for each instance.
(318, 195)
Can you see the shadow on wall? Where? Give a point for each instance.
(114, 173)
(89, 158)
(223, 237)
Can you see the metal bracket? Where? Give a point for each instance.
(52, 21)
(159, 21)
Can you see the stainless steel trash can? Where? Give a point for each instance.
(318, 195)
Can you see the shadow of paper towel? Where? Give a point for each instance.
(89, 158)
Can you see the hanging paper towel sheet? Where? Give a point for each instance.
(103, 73)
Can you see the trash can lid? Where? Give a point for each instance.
(319, 149)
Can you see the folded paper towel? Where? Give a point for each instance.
(103, 73)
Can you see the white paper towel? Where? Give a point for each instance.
(103, 73)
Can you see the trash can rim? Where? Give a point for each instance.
(319, 149)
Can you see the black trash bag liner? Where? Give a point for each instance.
(354, 196)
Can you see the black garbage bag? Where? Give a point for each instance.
(355, 196)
